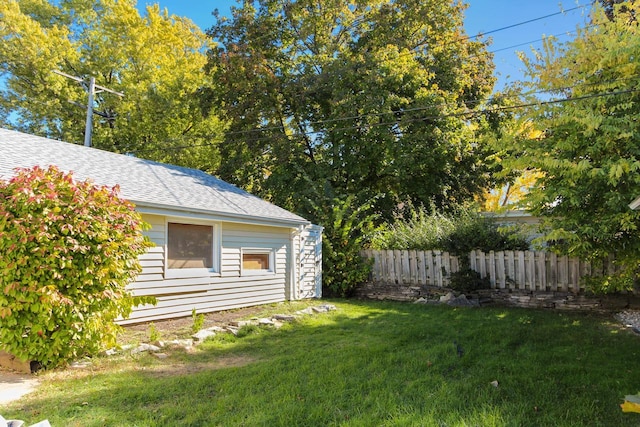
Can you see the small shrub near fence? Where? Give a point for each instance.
(515, 270)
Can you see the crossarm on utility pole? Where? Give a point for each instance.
(92, 91)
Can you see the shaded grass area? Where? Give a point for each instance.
(368, 363)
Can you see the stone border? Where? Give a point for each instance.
(156, 348)
(506, 297)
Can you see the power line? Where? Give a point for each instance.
(562, 12)
(482, 34)
(564, 33)
(427, 107)
(423, 118)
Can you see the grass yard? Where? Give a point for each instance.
(366, 364)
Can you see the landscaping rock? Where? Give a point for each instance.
(446, 298)
(265, 322)
(285, 317)
(463, 301)
(203, 334)
(161, 355)
(329, 307)
(421, 300)
(232, 329)
(80, 364)
(241, 323)
(145, 347)
(181, 343)
(307, 310)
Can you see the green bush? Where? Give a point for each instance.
(458, 234)
(198, 321)
(422, 231)
(67, 251)
(468, 280)
(346, 227)
(473, 232)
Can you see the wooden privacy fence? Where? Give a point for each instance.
(525, 270)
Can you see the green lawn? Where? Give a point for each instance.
(366, 364)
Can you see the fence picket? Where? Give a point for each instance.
(483, 264)
(492, 269)
(438, 269)
(522, 276)
(563, 273)
(391, 276)
(501, 276)
(553, 271)
(473, 261)
(574, 279)
(446, 268)
(428, 264)
(511, 267)
(405, 277)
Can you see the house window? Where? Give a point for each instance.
(190, 246)
(257, 261)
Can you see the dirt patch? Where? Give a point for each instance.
(181, 328)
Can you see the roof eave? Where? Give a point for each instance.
(163, 209)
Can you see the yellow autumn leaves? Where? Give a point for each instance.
(631, 403)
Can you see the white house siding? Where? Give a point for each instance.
(177, 297)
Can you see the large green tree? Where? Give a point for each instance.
(156, 60)
(588, 148)
(370, 98)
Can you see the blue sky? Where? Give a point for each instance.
(481, 16)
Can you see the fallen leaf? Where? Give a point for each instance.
(630, 407)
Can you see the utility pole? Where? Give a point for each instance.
(91, 89)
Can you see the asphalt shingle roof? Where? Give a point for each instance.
(143, 182)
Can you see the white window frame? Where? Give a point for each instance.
(271, 252)
(216, 249)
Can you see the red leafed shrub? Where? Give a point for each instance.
(67, 251)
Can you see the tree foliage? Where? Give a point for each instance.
(67, 251)
(156, 60)
(588, 153)
(348, 227)
(368, 97)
